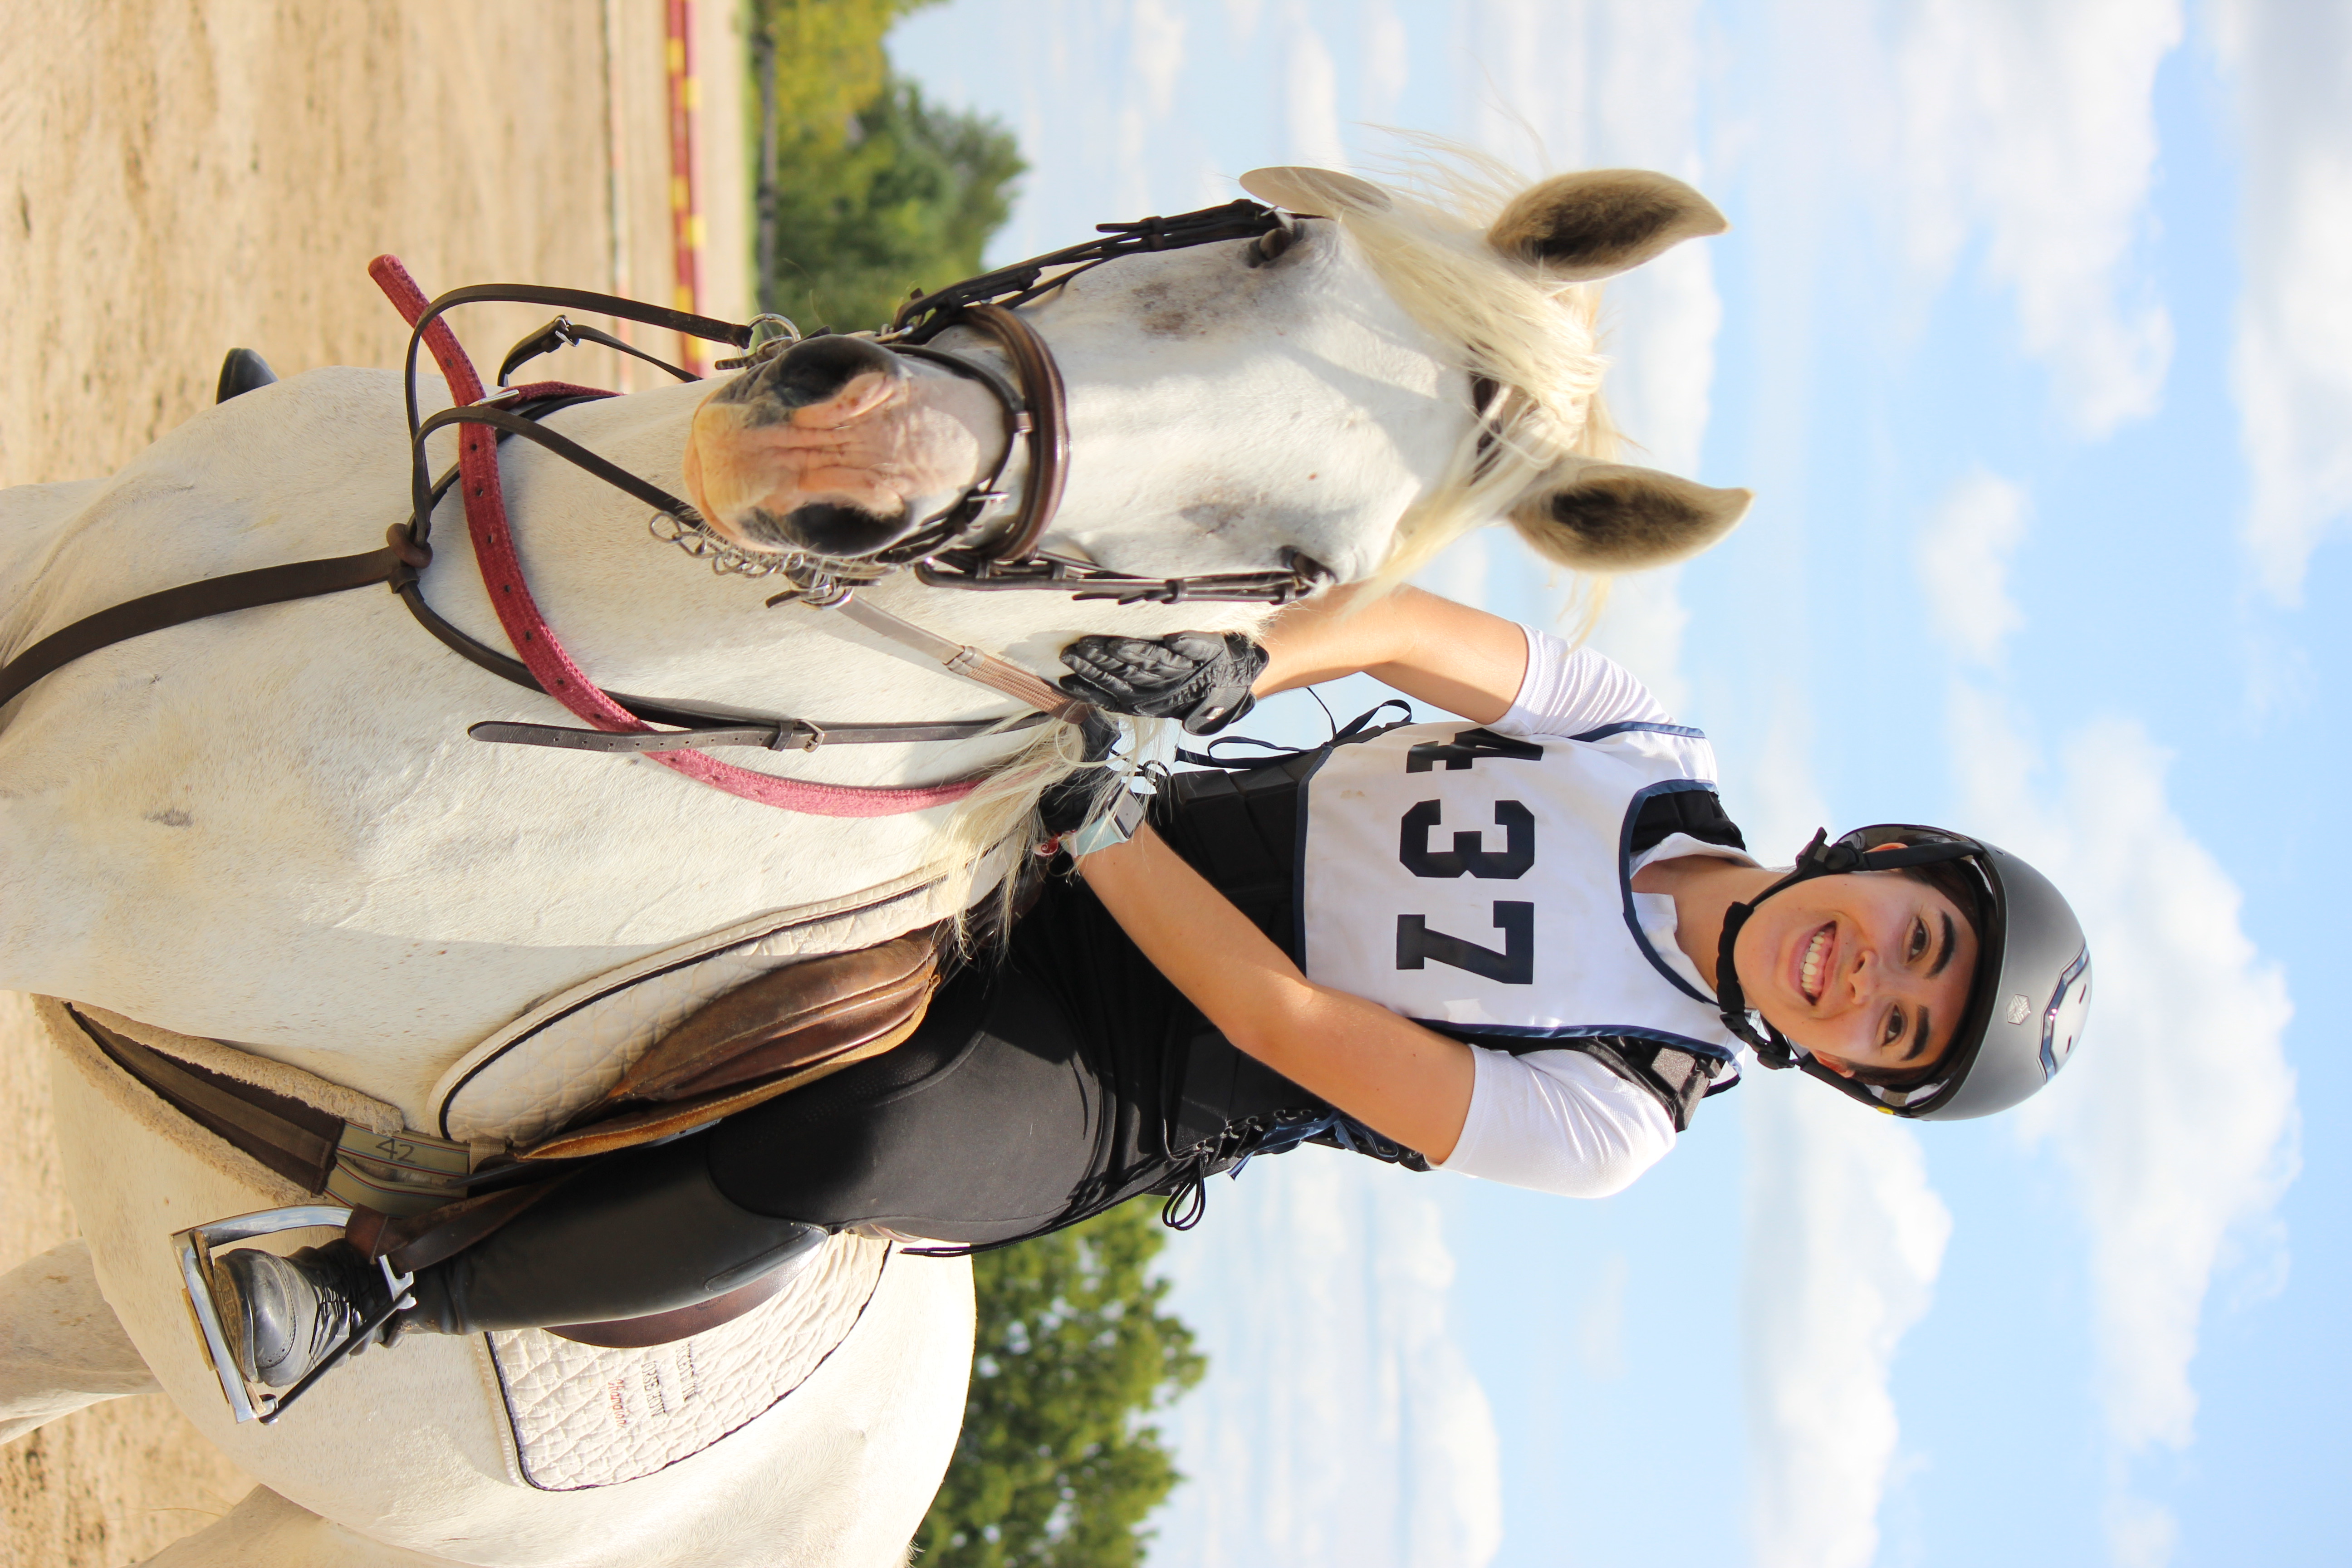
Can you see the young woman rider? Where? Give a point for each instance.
(1522, 948)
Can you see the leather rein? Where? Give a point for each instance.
(950, 550)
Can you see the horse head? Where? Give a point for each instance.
(1396, 367)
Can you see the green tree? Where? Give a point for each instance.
(1056, 1466)
(863, 190)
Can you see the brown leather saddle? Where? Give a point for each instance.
(790, 1026)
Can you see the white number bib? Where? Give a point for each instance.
(1464, 877)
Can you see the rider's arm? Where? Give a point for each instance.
(1491, 672)
(1461, 659)
(1403, 1081)
(1559, 1121)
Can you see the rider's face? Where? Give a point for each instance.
(1867, 969)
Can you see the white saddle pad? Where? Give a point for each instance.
(586, 1417)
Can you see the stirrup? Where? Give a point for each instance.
(250, 1402)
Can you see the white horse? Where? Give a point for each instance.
(270, 828)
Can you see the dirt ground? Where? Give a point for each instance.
(181, 176)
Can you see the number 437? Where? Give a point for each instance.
(1416, 944)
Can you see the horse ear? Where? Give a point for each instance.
(1315, 193)
(1610, 517)
(1577, 228)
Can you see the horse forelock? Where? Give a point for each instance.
(1510, 323)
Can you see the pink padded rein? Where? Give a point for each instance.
(535, 642)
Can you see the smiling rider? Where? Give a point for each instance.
(1522, 945)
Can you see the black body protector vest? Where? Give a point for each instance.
(1244, 830)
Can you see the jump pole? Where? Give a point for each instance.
(685, 211)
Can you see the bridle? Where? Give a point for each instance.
(953, 549)
(957, 549)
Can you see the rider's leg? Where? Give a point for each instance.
(1027, 1085)
(61, 1347)
(976, 1127)
(982, 1127)
(644, 1233)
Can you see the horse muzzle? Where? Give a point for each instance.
(812, 452)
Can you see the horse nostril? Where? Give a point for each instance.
(822, 528)
(813, 370)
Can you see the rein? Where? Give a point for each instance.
(550, 666)
(952, 550)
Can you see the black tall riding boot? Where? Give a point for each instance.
(641, 1234)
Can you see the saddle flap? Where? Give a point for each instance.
(768, 1035)
(790, 1017)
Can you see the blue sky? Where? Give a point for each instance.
(2034, 335)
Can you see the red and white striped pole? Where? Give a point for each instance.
(685, 212)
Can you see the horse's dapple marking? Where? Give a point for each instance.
(584, 1416)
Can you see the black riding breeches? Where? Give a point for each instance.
(1039, 1090)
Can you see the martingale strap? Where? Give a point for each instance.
(536, 643)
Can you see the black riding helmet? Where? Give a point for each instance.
(2026, 1006)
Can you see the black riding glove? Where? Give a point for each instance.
(1069, 809)
(1201, 678)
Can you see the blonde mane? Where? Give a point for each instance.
(1532, 334)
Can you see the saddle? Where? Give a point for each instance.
(792, 1026)
(789, 1026)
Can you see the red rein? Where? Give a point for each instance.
(535, 642)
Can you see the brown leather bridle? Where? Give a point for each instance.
(950, 550)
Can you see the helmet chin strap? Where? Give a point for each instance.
(1819, 859)
(1772, 1047)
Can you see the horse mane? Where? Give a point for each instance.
(1002, 812)
(1531, 333)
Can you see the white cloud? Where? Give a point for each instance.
(2177, 1116)
(1601, 1325)
(1641, 626)
(1242, 16)
(1845, 1240)
(2291, 367)
(1460, 571)
(1963, 563)
(1343, 1427)
(1310, 102)
(1595, 84)
(1388, 61)
(2178, 1112)
(1155, 49)
(1615, 83)
(2036, 123)
(1776, 799)
(1663, 321)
